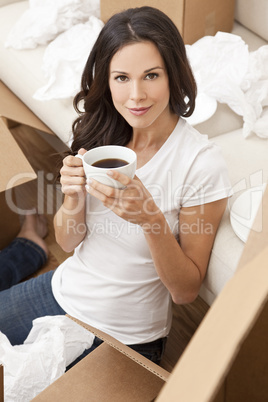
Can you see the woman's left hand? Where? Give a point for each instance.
(133, 203)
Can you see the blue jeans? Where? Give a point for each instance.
(19, 259)
(23, 303)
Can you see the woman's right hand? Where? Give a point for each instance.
(73, 178)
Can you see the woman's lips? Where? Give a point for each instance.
(139, 111)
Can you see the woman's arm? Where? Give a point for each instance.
(180, 265)
(69, 221)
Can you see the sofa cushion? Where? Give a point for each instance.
(248, 167)
(22, 73)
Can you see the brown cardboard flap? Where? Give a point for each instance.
(15, 169)
(113, 372)
(105, 375)
(15, 172)
(10, 221)
(14, 109)
(130, 353)
(209, 356)
(247, 379)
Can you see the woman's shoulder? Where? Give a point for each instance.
(190, 137)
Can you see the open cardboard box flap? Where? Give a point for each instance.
(226, 360)
(16, 171)
(112, 372)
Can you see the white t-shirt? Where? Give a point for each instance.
(110, 282)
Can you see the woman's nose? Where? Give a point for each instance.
(137, 91)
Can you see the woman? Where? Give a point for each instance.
(137, 249)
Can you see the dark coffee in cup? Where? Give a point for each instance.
(99, 160)
(109, 163)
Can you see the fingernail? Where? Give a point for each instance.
(89, 181)
(110, 173)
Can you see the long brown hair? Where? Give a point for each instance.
(98, 122)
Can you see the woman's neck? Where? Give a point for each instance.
(147, 142)
(153, 136)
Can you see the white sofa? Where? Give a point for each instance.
(247, 159)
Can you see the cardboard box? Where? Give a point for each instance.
(112, 372)
(16, 171)
(194, 18)
(226, 360)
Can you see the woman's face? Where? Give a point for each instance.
(139, 85)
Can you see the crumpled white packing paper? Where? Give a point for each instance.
(227, 72)
(53, 343)
(45, 19)
(219, 64)
(255, 87)
(65, 59)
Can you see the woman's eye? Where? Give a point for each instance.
(151, 76)
(121, 78)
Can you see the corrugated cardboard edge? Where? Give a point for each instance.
(216, 343)
(130, 353)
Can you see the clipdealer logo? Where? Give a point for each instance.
(49, 199)
(48, 195)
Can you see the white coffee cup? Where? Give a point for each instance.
(108, 152)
